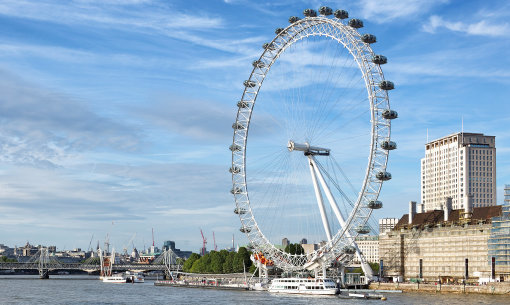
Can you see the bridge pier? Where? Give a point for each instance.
(44, 274)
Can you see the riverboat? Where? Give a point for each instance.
(116, 278)
(314, 286)
(135, 277)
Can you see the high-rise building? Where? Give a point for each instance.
(387, 224)
(457, 166)
(285, 242)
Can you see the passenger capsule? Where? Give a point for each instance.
(236, 191)
(363, 229)
(237, 126)
(383, 176)
(355, 23)
(279, 30)
(239, 211)
(341, 14)
(374, 204)
(234, 170)
(249, 83)
(386, 85)
(389, 114)
(245, 229)
(326, 11)
(349, 249)
(379, 59)
(243, 104)
(368, 38)
(309, 13)
(388, 145)
(235, 147)
(293, 19)
(258, 64)
(269, 46)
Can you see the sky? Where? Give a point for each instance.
(115, 115)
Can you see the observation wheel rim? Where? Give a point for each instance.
(254, 233)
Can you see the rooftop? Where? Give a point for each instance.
(435, 217)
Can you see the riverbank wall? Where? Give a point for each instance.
(491, 288)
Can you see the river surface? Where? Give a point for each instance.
(70, 289)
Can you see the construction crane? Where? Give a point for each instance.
(203, 251)
(127, 244)
(90, 243)
(214, 241)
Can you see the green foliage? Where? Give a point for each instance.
(295, 249)
(252, 269)
(4, 259)
(189, 262)
(375, 267)
(228, 265)
(219, 262)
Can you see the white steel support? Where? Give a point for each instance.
(320, 202)
(330, 197)
(364, 265)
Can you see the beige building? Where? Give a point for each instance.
(387, 224)
(456, 166)
(447, 244)
(369, 247)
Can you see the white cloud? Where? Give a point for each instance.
(480, 28)
(92, 13)
(388, 10)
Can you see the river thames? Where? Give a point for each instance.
(89, 290)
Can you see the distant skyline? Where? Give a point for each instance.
(115, 115)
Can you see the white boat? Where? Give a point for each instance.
(136, 277)
(116, 278)
(313, 286)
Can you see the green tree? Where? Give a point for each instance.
(242, 260)
(228, 265)
(295, 249)
(217, 260)
(4, 259)
(190, 261)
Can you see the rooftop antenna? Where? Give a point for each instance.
(153, 237)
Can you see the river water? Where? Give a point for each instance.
(89, 290)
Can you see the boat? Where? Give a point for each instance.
(116, 278)
(312, 286)
(135, 277)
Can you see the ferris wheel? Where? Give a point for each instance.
(316, 108)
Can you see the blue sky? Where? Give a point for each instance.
(115, 115)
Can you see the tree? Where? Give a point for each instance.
(228, 265)
(4, 259)
(189, 262)
(217, 260)
(242, 260)
(295, 249)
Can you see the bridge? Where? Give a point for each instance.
(44, 263)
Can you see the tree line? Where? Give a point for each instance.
(218, 262)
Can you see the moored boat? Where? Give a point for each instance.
(135, 277)
(116, 278)
(313, 286)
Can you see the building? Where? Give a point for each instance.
(456, 166)
(304, 241)
(369, 247)
(387, 224)
(285, 242)
(169, 244)
(499, 241)
(447, 244)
